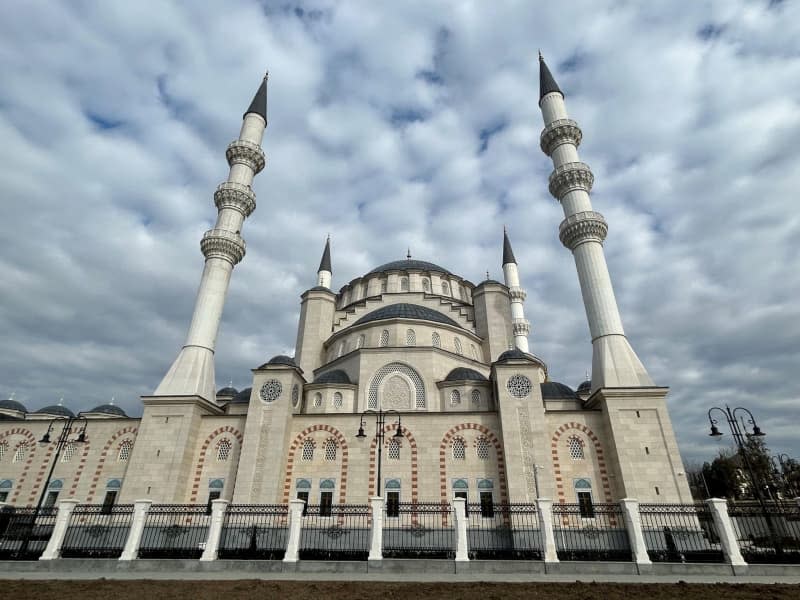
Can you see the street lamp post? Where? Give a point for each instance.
(380, 422)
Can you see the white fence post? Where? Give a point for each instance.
(53, 549)
(131, 550)
(218, 508)
(633, 524)
(727, 535)
(545, 506)
(462, 543)
(295, 525)
(376, 534)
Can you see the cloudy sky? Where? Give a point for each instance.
(396, 125)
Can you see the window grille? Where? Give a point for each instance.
(575, 445)
(383, 372)
(223, 450)
(411, 338)
(455, 398)
(394, 449)
(445, 288)
(68, 453)
(124, 450)
(330, 450)
(404, 284)
(337, 400)
(3, 448)
(457, 344)
(317, 400)
(482, 448)
(436, 340)
(21, 453)
(459, 449)
(384, 338)
(476, 396)
(519, 386)
(308, 449)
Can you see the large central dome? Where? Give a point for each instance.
(408, 265)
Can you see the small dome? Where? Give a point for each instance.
(489, 281)
(553, 390)
(12, 405)
(464, 374)
(227, 391)
(406, 311)
(243, 396)
(335, 376)
(408, 265)
(320, 288)
(282, 359)
(108, 409)
(585, 386)
(515, 354)
(56, 409)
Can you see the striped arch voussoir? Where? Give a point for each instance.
(599, 453)
(412, 442)
(201, 460)
(116, 438)
(31, 439)
(335, 433)
(491, 438)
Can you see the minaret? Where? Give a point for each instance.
(192, 373)
(519, 324)
(325, 272)
(614, 363)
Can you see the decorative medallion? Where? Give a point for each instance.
(519, 386)
(295, 395)
(271, 390)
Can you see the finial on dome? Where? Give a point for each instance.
(112, 401)
(488, 277)
(61, 401)
(408, 254)
(11, 397)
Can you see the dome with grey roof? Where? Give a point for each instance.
(515, 354)
(585, 386)
(408, 264)
(56, 409)
(108, 409)
(406, 311)
(243, 396)
(553, 390)
(228, 391)
(335, 376)
(464, 374)
(12, 405)
(282, 359)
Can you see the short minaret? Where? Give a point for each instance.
(192, 373)
(614, 363)
(325, 272)
(519, 324)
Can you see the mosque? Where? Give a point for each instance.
(465, 410)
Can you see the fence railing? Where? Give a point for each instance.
(175, 531)
(768, 534)
(590, 532)
(419, 530)
(680, 533)
(338, 532)
(97, 531)
(504, 531)
(24, 533)
(254, 531)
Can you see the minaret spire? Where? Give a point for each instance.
(519, 324)
(325, 272)
(614, 363)
(192, 373)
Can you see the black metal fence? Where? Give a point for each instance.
(175, 531)
(97, 531)
(768, 534)
(254, 531)
(338, 532)
(680, 533)
(504, 531)
(24, 533)
(590, 532)
(419, 530)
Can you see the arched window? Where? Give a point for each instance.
(124, 450)
(426, 285)
(482, 448)
(308, 449)
(575, 445)
(476, 396)
(457, 344)
(396, 391)
(337, 400)
(384, 338)
(360, 342)
(411, 337)
(474, 351)
(455, 398)
(68, 452)
(394, 449)
(223, 449)
(404, 284)
(317, 400)
(436, 340)
(445, 288)
(341, 349)
(21, 453)
(459, 449)
(3, 448)
(330, 450)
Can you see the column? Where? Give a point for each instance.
(218, 508)
(727, 535)
(131, 550)
(545, 506)
(462, 543)
(633, 524)
(376, 534)
(295, 526)
(53, 549)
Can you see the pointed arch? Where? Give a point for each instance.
(412, 442)
(598, 451)
(290, 459)
(201, 460)
(492, 439)
(409, 372)
(31, 440)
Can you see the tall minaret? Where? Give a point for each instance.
(519, 324)
(324, 273)
(192, 373)
(614, 363)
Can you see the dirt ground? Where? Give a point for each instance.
(335, 590)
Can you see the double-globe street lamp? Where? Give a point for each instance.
(380, 422)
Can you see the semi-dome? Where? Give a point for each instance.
(585, 386)
(243, 396)
(408, 265)
(282, 359)
(406, 311)
(12, 405)
(335, 376)
(108, 409)
(464, 374)
(228, 391)
(56, 409)
(553, 390)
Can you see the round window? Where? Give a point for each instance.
(271, 390)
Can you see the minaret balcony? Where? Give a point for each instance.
(569, 177)
(588, 226)
(236, 196)
(520, 327)
(517, 294)
(561, 131)
(246, 153)
(224, 244)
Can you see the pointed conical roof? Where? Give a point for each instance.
(325, 263)
(546, 82)
(508, 253)
(259, 103)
